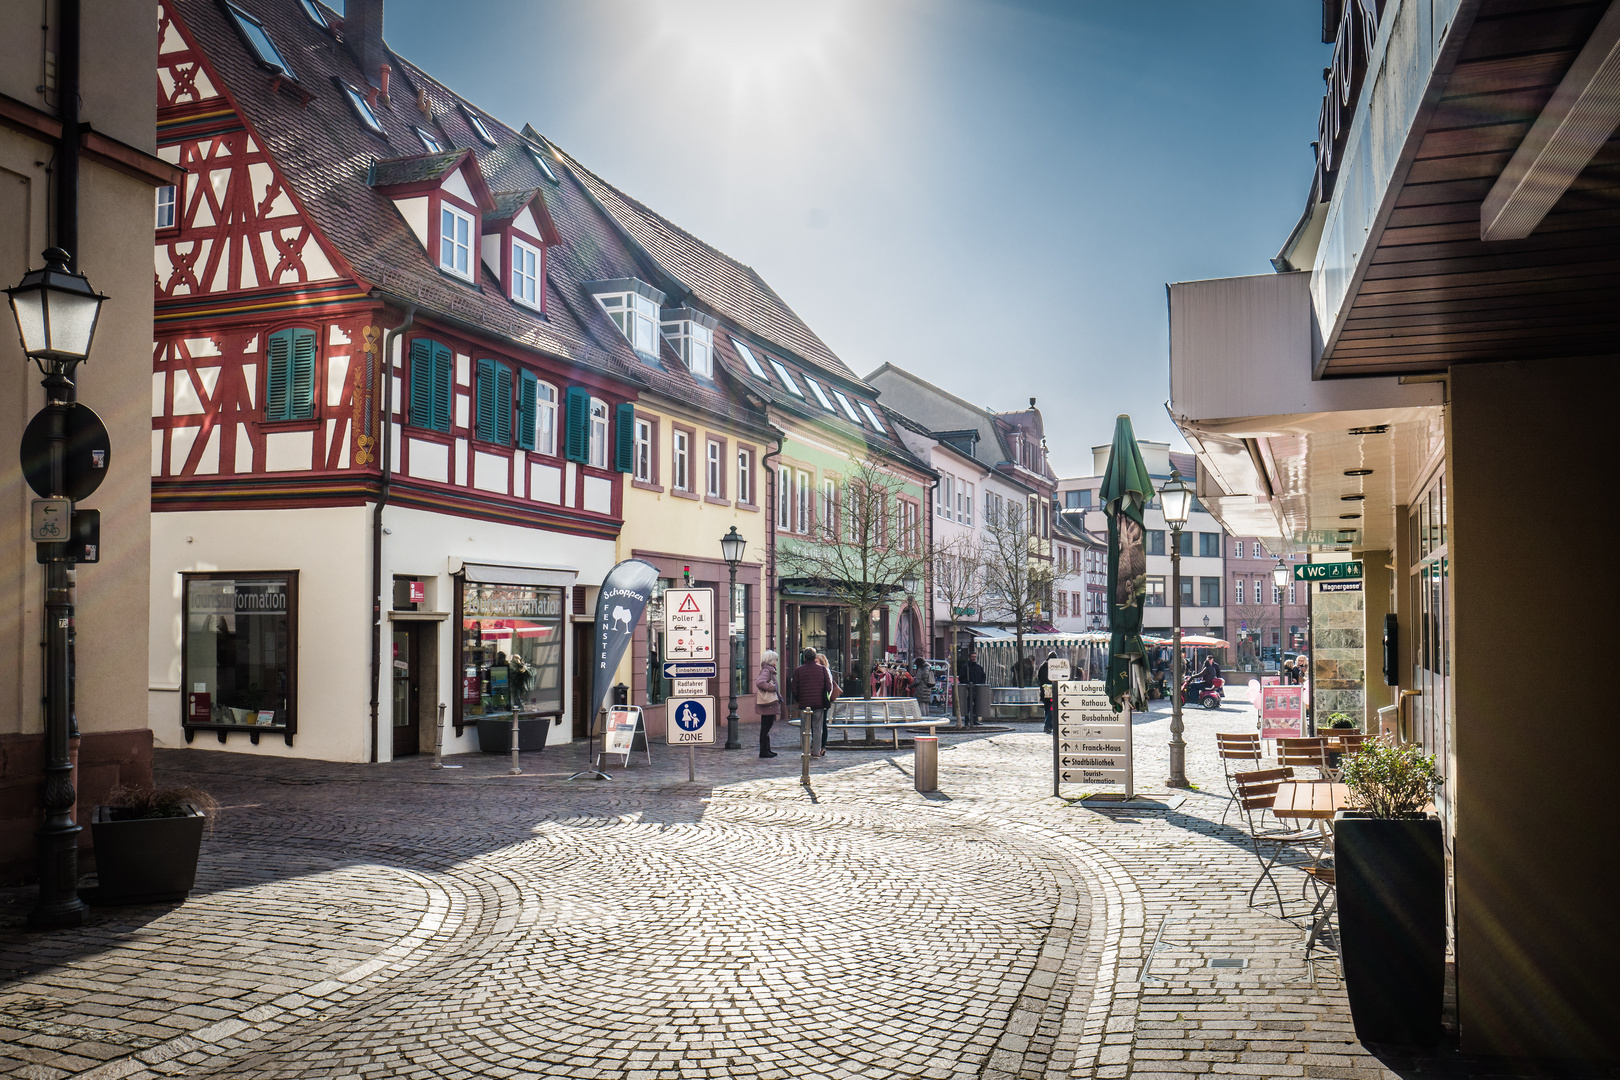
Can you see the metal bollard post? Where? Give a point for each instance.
(516, 769)
(438, 739)
(925, 762)
(806, 737)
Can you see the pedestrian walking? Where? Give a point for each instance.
(923, 684)
(767, 700)
(813, 689)
(972, 676)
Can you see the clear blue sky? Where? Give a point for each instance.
(992, 193)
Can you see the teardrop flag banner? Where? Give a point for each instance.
(625, 593)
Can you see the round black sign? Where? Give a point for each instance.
(86, 455)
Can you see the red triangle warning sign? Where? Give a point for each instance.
(689, 603)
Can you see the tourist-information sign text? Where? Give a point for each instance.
(1327, 571)
(689, 624)
(1093, 741)
(691, 722)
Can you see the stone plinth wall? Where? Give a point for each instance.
(101, 759)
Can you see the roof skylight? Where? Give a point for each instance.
(748, 357)
(314, 12)
(843, 403)
(361, 109)
(787, 380)
(480, 128)
(254, 33)
(821, 395)
(543, 165)
(871, 414)
(433, 145)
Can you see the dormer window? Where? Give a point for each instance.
(362, 110)
(258, 39)
(633, 306)
(433, 145)
(691, 334)
(748, 358)
(849, 410)
(479, 125)
(787, 379)
(455, 240)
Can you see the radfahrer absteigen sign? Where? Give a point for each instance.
(1093, 744)
(1328, 571)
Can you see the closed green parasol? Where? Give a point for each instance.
(1126, 491)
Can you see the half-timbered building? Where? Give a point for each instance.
(389, 425)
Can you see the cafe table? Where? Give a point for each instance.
(1310, 801)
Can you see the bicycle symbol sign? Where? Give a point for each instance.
(49, 519)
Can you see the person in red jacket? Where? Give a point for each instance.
(812, 689)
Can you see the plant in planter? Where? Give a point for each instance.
(1340, 721)
(1390, 864)
(147, 840)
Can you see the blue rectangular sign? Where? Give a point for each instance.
(690, 669)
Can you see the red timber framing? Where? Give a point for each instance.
(244, 262)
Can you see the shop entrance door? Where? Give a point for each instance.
(407, 689)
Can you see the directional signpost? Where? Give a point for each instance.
(1093, 744)
(1328, 571)
(691, 724)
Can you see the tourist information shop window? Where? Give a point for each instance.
(510, 657)
(240, 650)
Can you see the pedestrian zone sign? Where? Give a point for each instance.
(691, 722)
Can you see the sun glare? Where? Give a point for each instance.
(748, 39)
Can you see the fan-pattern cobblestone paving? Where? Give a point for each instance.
(382, 921)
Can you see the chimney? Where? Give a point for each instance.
(1032, 403)
(382, 84)
(363, 33)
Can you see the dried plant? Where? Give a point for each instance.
(1391, 781)
(147, 801)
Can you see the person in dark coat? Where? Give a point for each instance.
(1048, 685)
(812, 689)
(970, 675)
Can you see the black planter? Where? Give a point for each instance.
(1392, 925)
(495, 735)
(145, 860)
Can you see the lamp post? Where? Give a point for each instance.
(1176, 498)
(1279, 578)
(56, 312)
(731, 549)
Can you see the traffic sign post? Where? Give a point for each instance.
(689, 624)
(691, 724)
(1093, 744)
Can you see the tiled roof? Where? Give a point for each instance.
(414, 170)
(733, 290)
(326, 154)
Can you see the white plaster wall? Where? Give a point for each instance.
(330, 548)
(422, 544)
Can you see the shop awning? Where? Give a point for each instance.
(510, 574)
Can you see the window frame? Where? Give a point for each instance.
(745, 476)
(680, 459)
(624, 311)
(646, 450)
(821, 395)
(519, 246)
(784, 498)
(748, 358)
(871, 415)
(1154, 587)
(243, 20)
(598, 434)
(361, 108)
(172, 205)
(431, 144)
(845, 404)
(829, 507)
(803, 502)
(458, 214)
(714, 468)
(693, 343)
(289, 728)
(786, 376)
(475, 121)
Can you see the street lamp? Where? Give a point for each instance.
(1176, 498)
(731, 550)
(1279, 578)
(56, 312)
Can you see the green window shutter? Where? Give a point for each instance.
(484, 401)
(528, 392)
(624, 437)
(301, 392)
(577, 445)
(278, 375)
(443, 377)
(503, 404)
(421, 414)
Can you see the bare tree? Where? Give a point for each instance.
(959, 581)
(867, 548)
(1017, 581)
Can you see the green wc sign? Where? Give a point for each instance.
(1330, 571)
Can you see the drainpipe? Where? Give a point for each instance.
(928, 564)
(385, 440)
(770, 547)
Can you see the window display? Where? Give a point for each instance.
(238, 653)
(511, 650)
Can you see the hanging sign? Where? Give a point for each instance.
(1282, 712)
(1327, 571)
(1093, 741)
(689, 624)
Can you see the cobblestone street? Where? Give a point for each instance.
(395, 920)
